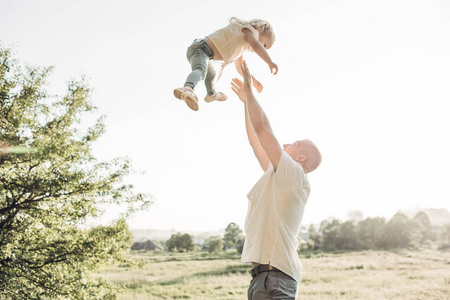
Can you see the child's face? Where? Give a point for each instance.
(266, 41)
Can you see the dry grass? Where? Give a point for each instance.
(183, 276)
(357, 275)
(377, 275)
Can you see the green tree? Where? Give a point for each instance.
(171, 243)
(215, 245)
(348, 238)
(48, 194)
(341, 236)
(232, 235)
(330, 234)
(370, 232)
(322, 226)
(186, 242)
(240, 245)
(313, 242)
(402, 232)
(444, 237)
(180, 242)
(424, 225)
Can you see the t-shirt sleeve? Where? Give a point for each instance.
(250, 27)
(290, 175)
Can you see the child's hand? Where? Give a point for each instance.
(258, 86)
(273, 66)
(238, 87)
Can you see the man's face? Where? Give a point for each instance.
(295, 150)
(304, 152)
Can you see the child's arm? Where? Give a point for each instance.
(238, 62)
(259, 49)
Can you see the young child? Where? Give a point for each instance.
(227, 45)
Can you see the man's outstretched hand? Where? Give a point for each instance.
(238, 87)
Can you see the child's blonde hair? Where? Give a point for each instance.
(261, 25)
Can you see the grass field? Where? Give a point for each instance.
(423, 274)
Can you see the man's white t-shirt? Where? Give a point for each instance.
(275, 211)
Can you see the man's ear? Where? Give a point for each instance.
(301, 158)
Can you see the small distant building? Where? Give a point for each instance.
(147, 245)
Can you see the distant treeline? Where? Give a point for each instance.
(375, 233)
(370, 233)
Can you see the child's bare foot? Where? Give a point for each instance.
(187, 95)
(219, 96)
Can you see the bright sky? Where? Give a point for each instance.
(367, 81)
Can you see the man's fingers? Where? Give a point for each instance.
(237, 82)
(236, 87)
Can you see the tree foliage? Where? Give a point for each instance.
(314, 241)
(48, 194)
(444, 238)
(233, 234)
(341, 236)
(240, 245)
(180, 242)
(215, 245)
(330, 234)
(401, 232)
(424, 225)
(371, 233)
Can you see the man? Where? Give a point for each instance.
(276, 202)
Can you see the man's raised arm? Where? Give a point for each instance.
(238, 87)
(259, 122)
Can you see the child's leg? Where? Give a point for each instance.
(199, 64)
(210, 82)
(210, 79)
